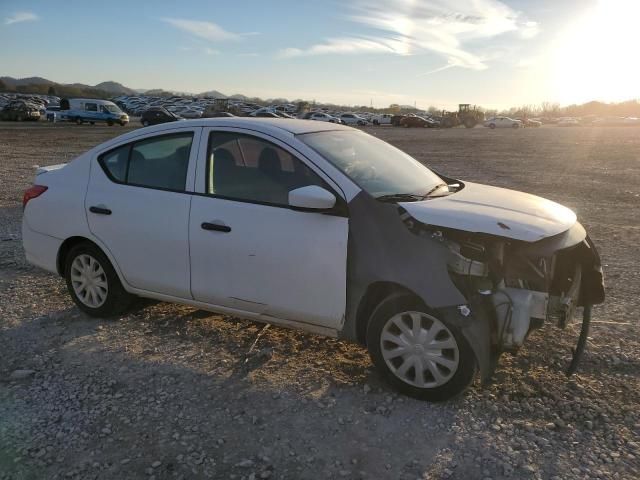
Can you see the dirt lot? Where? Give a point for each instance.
(171, 392)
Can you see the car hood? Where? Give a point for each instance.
(496, 211)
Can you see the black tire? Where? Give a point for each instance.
(118, 300)
(145, 123)
(110, 123)
(515, 125)
(466, 369)
(92, 123)
(122, 124)
(78, 121)
(492, 126)
(376, 122)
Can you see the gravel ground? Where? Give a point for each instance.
(169, 392)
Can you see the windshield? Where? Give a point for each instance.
(375, 166)
(111, 108)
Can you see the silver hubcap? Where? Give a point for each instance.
(89, 281)
(419, 349)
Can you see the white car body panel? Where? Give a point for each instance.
(40, 250)
(60, 211)
(274, 261)
(147, 231)
(493, 210)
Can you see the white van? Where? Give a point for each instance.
(92, 110)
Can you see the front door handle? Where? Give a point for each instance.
(215, 227)
(100, 210)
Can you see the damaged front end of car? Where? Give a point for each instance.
(516, 286)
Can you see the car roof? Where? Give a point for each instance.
(293, 126)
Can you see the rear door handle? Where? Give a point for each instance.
(215, 227)
(100, 210)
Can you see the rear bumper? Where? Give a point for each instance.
(40, 250)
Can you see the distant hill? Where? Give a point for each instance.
(104, 89)
(22, 84)
(212, 93)
(14, 82)
(115, 88)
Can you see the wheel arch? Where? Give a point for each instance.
(375, 294)
(71, 242)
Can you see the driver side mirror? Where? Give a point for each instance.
(311, 197)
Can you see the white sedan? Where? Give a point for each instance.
(352, 119)
(503, 122)
(323, 117)
(316, 226)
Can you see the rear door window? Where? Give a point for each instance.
(157, 162)
(160, 162)
(115, 163)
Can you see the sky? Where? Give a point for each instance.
(494, 53)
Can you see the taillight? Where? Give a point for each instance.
(32, 192)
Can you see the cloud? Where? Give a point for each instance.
(407, 27)
(19, 17)
(206, 30)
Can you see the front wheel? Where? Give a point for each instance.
(93, 284)
(145, 123)
(418, 353)
(78, 121)
(492, 126)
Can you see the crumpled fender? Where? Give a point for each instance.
(476, 328)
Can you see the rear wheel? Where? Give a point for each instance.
(515, 125)
(376, 122)
(110, 123)
(78, 121)
(145, 123)
(417, 352)
(92, 123)
(492, 126)
(93, 284)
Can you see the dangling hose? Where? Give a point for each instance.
(582, 340)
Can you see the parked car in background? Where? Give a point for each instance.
(529, 122)
(502, 122)
(416, 121)
(383, 119)
(92, 110)
(266, 115)
(396, 119)
(352, 119)
(323, 117)
(19, 111)
(217, 114)
(156, 115)
(191, 113)
(568, 122)
(274, 222)
(283, 114)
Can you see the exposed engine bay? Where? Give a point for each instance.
(522, 284)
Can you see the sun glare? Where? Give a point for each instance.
(595, 58)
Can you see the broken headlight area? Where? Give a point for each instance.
(521, 284)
